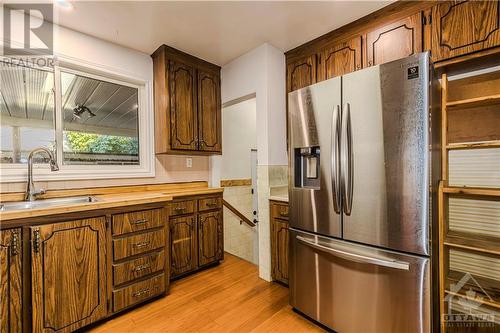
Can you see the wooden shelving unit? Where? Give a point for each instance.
(474, 145)
(471, 96)
(474, 102)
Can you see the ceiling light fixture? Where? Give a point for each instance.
(65, 4)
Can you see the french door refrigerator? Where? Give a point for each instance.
(364, 170)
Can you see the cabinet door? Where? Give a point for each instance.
(462, 27)
(69, 278)
(183, 114)
(183, 245)
(279, 249)
(210, 238)
(10, 281)
(340, 59)
(301, 73)
(394, 41)
(209, 112)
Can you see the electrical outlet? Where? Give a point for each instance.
(189, 162)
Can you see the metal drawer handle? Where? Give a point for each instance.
(356, 257)
(212, 204)
(142, 221)
(179, 209)
(142, 244)
(15, 243)
(284, 214)
(141, 292)
(141, 267)
(36, 240)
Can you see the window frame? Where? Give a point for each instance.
(18, 172)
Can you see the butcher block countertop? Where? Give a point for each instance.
(108, 197)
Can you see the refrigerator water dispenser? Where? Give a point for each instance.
(307, 164)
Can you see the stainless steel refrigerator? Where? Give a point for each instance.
(364, 171)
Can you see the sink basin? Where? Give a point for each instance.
(42, 203)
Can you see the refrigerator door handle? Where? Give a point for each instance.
(347, 169)
(356, 257)
(335, 158)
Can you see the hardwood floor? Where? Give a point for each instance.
(227, 298)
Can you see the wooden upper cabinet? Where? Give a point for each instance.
(183, 244)
(340, 59)
(183, 104)
(187, 101)
(301, 73)
(394, 41)
(462, 27)
(11, 281)
(209, 112)
(68, 272)
(210, 237)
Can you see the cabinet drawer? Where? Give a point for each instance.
(182, 207)
(137, 221)
(137, 244)
(138, 292)
(139, 267)
(209, 203)
(279, 211)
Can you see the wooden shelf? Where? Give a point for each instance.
(490, 192)
(478, 243)
(474, 145)
(473, 102)
(482, 301)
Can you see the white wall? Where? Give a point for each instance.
(238, 139)
(260, 71)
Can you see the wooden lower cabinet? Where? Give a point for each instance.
(69, 273)
(10, 281)
(197, 238)
(279, 241)
(183, 244)
(140, 257)
(69, 276)
(210, 238)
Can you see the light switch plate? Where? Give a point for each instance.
(189, 162)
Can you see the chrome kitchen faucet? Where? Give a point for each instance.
(31, 193)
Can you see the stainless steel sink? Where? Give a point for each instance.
(42, 203)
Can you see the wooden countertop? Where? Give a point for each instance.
(281, 198)
(111, 198)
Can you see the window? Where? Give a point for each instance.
(96, 124)
(26, 112)
(100, 123)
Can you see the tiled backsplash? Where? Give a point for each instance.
(169, 169)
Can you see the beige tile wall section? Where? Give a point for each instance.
(239, 238)
(169, 169)
(267, 176)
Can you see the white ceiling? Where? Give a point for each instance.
(214, 31)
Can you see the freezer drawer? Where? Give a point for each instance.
(355, 288)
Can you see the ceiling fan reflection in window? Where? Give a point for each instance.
(79, 110)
